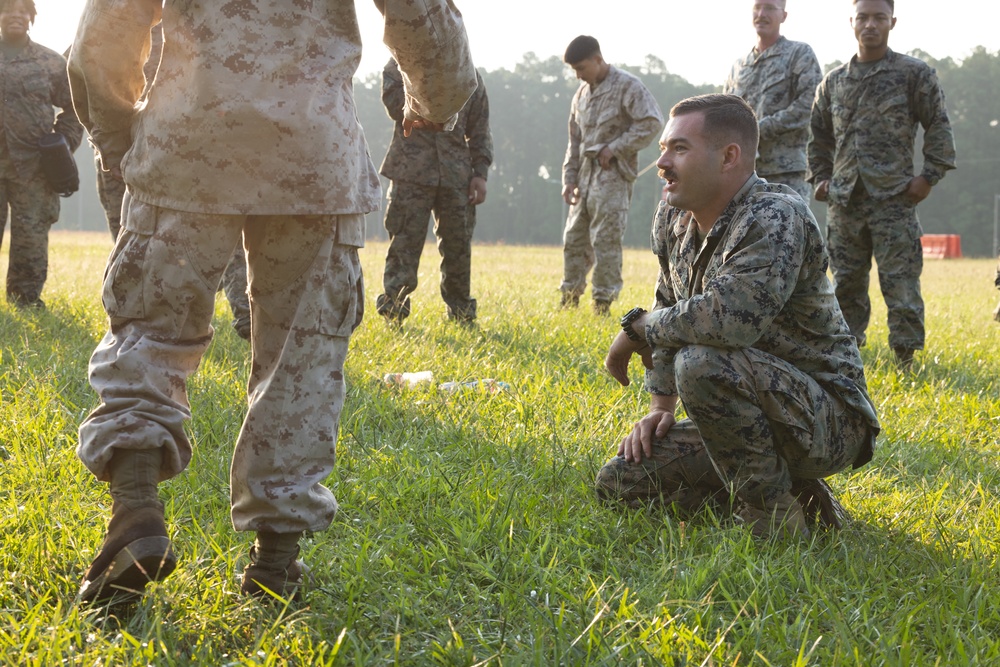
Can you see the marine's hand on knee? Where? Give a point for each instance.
(638, 444)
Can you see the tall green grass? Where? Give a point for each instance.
(469, 532)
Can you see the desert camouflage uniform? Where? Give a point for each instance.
(227, 146)
(431, 172)
(620, 113)
(111, 191)
(32, 82)
(864, 123)
(779, 84)
(747, 332)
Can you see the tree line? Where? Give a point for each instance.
(529, 106)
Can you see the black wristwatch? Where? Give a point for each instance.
(627, 320)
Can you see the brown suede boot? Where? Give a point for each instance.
(819, 505)
(781, 517)
(136, 549)
(274, 568)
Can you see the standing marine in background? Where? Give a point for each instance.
(864, 124)
(612, 117)
(778, 79)
(443, 173)
(32, 81)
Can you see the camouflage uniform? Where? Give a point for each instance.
(864, 123)
(111, 191)
(32, 82)
(431, 172)
(779, 84)
(620, 113)
(747, 332)
(225, 149)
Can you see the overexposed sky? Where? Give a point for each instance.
(697, 39)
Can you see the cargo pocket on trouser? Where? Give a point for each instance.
(806, 428)
(125, 280)
(305, 274)
(342, 305)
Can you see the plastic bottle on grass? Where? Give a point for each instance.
(488, 385)
(409, 379)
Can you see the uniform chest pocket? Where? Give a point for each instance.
(35, 87)
(774, 80)
(894, 110)
(607, 115)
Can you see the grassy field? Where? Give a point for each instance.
(469, 532)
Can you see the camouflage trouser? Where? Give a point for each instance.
(34, 208)
(755, 423)
(407, 213)
(593, 237)
(796, 180)
(890, 231)
(111, 191)
(234, 284)
(306, 294)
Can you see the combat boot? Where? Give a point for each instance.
(136, 549)
(819, 506)
(393, 310)
(782, 517)
(569, 301)
(904, 357)
(602, 307)
(275, 568)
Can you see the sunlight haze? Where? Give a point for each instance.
(697, 40)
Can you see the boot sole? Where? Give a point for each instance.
(138, 563)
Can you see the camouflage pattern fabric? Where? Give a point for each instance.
(291, 158)
(779, 85)
(430, 172)
(746, 330)
(755, 423)
(307, 298)
(621, 114)
(34, 208)
(32, 82)
(234, 279)
(441, 159)
(890, 231)
(235, 148)
(593, 237)
(111, 189)
(407, 211)
(111, 192)
(864, 123)
(796, 181)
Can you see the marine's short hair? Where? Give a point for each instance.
(28, 4)
(728, 119)
(580, 49)
(891, 3)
